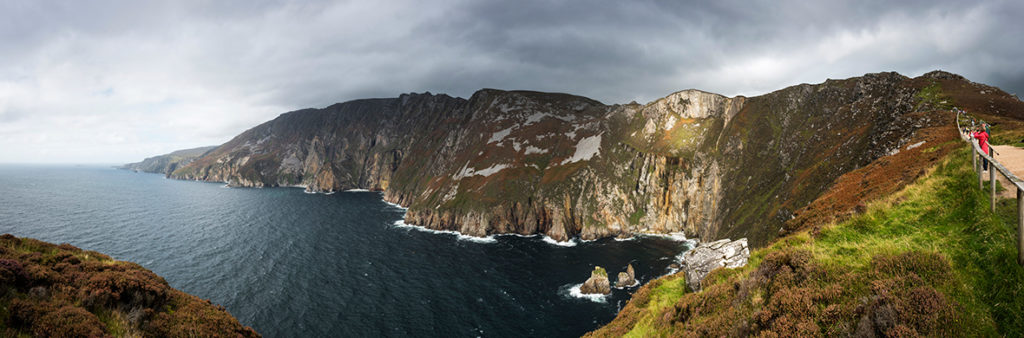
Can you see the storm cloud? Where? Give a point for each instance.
(113, 82)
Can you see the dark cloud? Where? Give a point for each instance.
(154, 75)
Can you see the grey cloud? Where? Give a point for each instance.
(230, 64)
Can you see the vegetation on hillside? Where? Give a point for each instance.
(51, 290)
(928, 260)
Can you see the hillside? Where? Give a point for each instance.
(167, 163)
(62, 291)
(929, 260)
(562, 165)
(867, 258)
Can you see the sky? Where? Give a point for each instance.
(117, 81)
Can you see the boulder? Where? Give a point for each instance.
(597, 283)
(699, 261)
(627, 278)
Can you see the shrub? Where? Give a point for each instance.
(23, 313)
(68, 321)
(12, 273)
(124, 289)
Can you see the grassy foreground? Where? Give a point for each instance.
(928, 260)
(49, 290)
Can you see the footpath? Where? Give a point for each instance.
(1013, 159)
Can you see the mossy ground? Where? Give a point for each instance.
(49, 290)
(928, 260)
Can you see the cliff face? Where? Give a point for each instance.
(166, 163)
(562, 165)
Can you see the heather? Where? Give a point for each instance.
(49, 290)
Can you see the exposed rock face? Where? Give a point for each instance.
(598, 282)
(626, 278)
(561, 165)
(165, 164)
(699, 261)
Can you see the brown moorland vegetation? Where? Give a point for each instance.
(49, 290)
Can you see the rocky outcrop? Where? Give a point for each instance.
(598, 282)
(699, 261)
(626, 278)
(567, 166)
(167, 163)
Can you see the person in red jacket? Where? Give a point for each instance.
(982, 137)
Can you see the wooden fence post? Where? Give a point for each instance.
(1020, 226)
(981, 161)
(992, 184)
(974, 158)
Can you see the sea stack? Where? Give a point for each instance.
(597, 283)
(627, 278)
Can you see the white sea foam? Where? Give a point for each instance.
(458, 235)
(520, 236)
(675, 236)
(574, 291)
(395, 205)
(670, 271)
(636, 283)
(356, 190)
(552, 241)
(625, 239)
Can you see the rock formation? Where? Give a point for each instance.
(699, 261)
(565, 166)
(598, 282)
(626, 278)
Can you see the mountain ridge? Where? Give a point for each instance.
(562, 165)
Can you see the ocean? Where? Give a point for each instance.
(292, 264)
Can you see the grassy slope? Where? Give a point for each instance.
(929, 259)
(51, 290)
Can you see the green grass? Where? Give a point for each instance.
(637, 215)
(936, 234)
(945, 214)
(933, 96)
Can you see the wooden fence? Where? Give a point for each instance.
(976, 156)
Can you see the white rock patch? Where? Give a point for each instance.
(536, 117)
(670, 122)
(585, 149)
(534, 150)
(500, 135)
(467, 171)
(915, 145)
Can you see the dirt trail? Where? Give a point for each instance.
(1013, 159)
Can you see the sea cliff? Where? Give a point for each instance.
(562, 165)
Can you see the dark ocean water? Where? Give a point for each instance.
(292, 264)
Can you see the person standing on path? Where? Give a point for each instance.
(982, 137)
